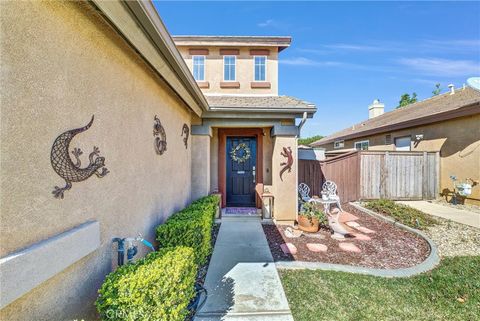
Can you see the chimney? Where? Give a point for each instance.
(452, 89)
(375, 109)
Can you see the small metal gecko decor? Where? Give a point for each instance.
(160, 142)
(71, 172)
(287, 153)
(186, 132)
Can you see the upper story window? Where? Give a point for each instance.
(199, 68)
(362, 145)
(229, 64)
(260, 63)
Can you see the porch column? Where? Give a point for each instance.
(284, 188)
(200, 171)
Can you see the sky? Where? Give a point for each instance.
(346, 54)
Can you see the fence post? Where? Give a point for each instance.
(424, 176)
(384, 193)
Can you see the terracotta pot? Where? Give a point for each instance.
(308, 224)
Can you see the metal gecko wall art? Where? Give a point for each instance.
(287, 153)
(160, 141)
(186, 132)
(72, 172)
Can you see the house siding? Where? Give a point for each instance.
(61, 64)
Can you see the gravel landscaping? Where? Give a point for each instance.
(455, 239)
(388, 248)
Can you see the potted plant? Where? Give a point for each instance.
(310, 217)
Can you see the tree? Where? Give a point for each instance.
(437, 90)
(405, 100)
(308, 140)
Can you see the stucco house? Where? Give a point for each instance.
(101, 76)
(448, 123)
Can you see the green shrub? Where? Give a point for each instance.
(191, 227)
(402, 213)
(157, 287)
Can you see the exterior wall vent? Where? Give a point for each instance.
(388, 139)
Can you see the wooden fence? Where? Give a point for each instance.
(376, 174)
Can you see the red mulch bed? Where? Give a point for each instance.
(389, 248)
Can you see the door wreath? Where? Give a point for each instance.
(240, 153)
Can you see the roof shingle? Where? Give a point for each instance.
(425, 108)
(258, 102)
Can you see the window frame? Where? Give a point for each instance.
(339, 141)
(254, 68)
(204, 67)
(234, 66)
(400, 137)
(361, 142)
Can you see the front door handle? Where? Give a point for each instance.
(254, 176)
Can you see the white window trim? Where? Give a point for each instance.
(266, 65)
(361, 142)
(204, 66)
(235, 59)
(338, 141)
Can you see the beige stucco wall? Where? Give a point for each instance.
(244, 70)
(285, 191)
(60, 64)
(458, 141)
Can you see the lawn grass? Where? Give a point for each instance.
(402, 213)
(436, 295)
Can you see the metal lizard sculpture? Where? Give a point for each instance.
(186, 131)
(287, 153)
(64, 166)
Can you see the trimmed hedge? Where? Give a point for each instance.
(402, 213)
(157, 287)
(191, 227)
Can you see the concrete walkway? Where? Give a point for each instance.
(242, 281)
(460, 216)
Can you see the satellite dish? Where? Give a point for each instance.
(474, 82)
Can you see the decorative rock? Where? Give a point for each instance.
(361, 237)
(288, 248)
(315, 235)
(365, 230)
(352, 224)
(317, 247)
(349, 247)
(291, 233)
(347, 217)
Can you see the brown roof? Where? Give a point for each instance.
(258, 102)
(446, 106)
(281, 42)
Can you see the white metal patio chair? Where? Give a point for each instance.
(304, 192)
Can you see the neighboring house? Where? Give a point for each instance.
(63, 62)
(448, 123)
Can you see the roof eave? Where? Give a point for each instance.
(151, 32)
(467, 110)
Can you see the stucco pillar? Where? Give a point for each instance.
(200, 166)
(284, 188)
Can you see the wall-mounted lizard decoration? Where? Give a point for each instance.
(160, 142)
(287, 153)
(186, 131)
(63, 165)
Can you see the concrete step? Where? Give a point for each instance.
(278, 316)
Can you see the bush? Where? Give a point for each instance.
(191, 227)
(157, 287)
(402, 213)
(312, 210)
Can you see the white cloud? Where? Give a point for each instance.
(442, 67)
(302, 61)
(355, 47)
